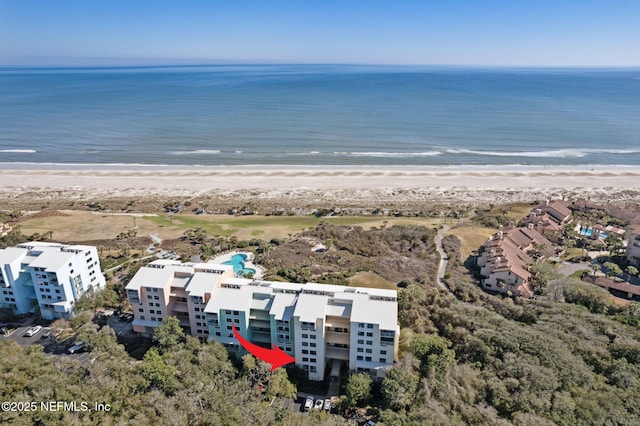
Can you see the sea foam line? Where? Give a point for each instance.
(558, 153)
(19, 151)
(388, 154)
(196, 152)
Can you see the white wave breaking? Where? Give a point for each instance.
(388, 154)
(197, 152)
(555, 153)
(19, 151)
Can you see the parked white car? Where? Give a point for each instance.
(308, 403)
(77, 347)
(33, 331)
(327, 404)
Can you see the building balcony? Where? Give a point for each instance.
(333, 337)
(259, 317)
(179, 307)
(337, 353)
(256, 323)
(339, 322)
(261, 337)
(184, 320)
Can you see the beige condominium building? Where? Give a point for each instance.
(325, 327)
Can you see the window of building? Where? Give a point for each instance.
(360, 350)
(305, 359)
(156, 297)
(149, 296)
(157, 305)
(383, 360)
(227, 312)
(142, 317)
(313, 352)
(140, 310)
(305, 351)
(368, 351)
(228, 327)
(236, 320)
(312, 360)
(369, 342)
(383, 352)
(369, 334)
(196, 309)
(360, 342)
(153, 319)
(304, 336)
(312, 344)
(228, 319)
(361, 325)
(369, 325)
(235, 313)
(360, 333)
(305, 343)
(218, 333)
(199, 324)
(151, 311)
(313, 369)
(159, 319)
(367, 358)
(359, 358)
(312, 336)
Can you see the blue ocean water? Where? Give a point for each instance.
(319, 115)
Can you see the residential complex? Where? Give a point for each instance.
(49, 276)
(549, 219)
(505, 260)
(320, 325)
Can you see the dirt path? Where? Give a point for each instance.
(444, 259)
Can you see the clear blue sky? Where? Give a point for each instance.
(464, 32)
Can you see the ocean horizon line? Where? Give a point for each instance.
(520, 67)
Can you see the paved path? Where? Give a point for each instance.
(442, 267)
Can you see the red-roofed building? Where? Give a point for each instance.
(549, 219)
(505, 260)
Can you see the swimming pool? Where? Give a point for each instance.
(588, 231)
(239, 269)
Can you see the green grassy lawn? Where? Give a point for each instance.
(267, 227)
(83, 226)
(371, 280)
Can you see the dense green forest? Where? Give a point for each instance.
(569, 357)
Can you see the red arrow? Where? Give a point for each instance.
(276, 356)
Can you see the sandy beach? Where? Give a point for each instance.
(348, 186)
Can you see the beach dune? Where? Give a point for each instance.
(348, 184)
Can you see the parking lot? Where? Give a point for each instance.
(51, 346)
(55, 347)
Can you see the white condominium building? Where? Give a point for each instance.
(49, 276)
(322, 326)
(167, 288)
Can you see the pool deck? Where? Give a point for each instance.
(248, 263)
